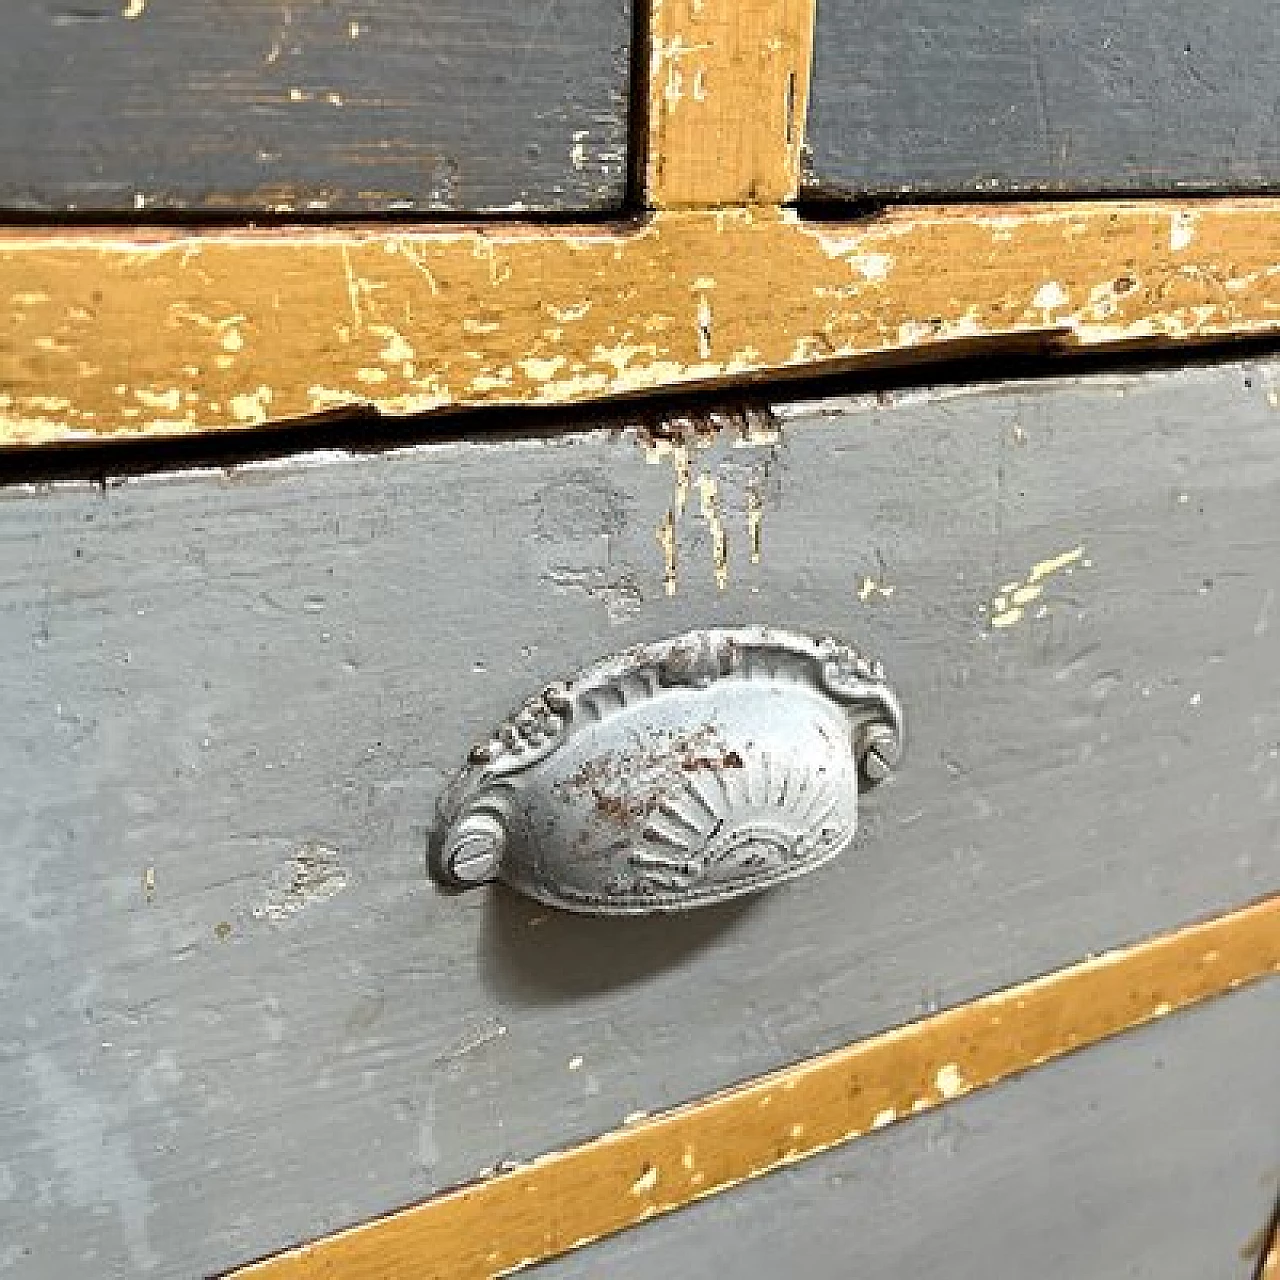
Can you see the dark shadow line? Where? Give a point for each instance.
(638, 106)
(820, 203)
(55, 220)
(364, 431)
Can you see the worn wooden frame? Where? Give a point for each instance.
(154, 331)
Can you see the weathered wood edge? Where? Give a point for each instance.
(728, 97)
(569, 1198)
(1269, 1254)
(169, 331)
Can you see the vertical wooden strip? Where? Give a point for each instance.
(728, 97)
(570, 1198)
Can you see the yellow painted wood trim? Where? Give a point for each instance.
(728, 100)
(1269, 1263)
(174, 331)
(569, 1198)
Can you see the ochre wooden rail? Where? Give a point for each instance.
(183, 331)
(570, 1198)
(157, 332)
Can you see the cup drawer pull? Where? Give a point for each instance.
(674, 775)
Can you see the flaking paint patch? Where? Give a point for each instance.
(870, 589)
(1050, 296)
(1000, 1035)
(873, 267)
(397, 349)
(570, 313)
(312, 875)
(170, 401)
(948, 1081)
(709, 502)
(540, 369)
(700, 451)
(704, 327)
(253, 407)
(1010, 602)
(667, 541)
(755, 521)
(1182, 230)
(1119, 273)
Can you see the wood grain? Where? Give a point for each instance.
(565, 1200)
(125, 334)
(728, 100)
(928, 96)
(247, 106)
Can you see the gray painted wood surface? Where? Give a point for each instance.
(233, 1012)
(1118, 95)
(241, 104)
(1151, 1156)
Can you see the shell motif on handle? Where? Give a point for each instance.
(674, 775)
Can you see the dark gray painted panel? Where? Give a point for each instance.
(1117, 95)
(1152, 1157)
(405, 104)
(233, 1012)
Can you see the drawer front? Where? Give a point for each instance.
(137, 105)
(1068, 1173)
(237, 1013)
(1021, 95)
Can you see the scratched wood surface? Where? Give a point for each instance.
(1017, 95)
(139, 105)
(728, 96)
(231, 700)
(119, 333)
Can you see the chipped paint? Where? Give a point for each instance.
(704, 327)
(700, 452)
(709, 503)
(304, 308)
(540, 1209)
(870, 589)
(312, 875)
(1009, 604)
(874, 267)
(755, 521)
(253, 407)
(667, 541)
(1182, 230)
(170, 400)
(1050, 296)
(949, 1082)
